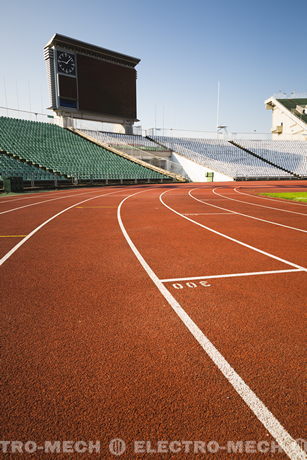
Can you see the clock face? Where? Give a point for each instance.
(66, 63)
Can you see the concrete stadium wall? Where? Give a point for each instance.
(196, 172)
(292, 130)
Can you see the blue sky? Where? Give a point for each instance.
(254, 48)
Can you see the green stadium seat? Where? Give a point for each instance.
(10, 167)
(66, 153)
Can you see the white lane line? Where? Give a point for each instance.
(12, 198)
(241, 213)
(231, 275)
(24, 240)
(22, 198)
(264, 415)
(263, 206)
(205, 213)
(253, 248)
(44, 201)
(267, 198)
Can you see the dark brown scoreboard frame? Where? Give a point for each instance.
(102, 86)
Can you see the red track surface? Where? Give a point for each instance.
(91, 349)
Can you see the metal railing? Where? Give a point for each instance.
(198, 134)
(26, 115)
(101, 126)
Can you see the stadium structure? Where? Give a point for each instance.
(87, 82)
(289, 118)
(150, 320)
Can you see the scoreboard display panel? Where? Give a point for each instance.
(87, 81)
(112, 87)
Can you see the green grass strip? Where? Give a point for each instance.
(293, 196)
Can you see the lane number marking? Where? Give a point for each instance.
(191, 284)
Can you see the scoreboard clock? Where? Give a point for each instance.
(66, 63)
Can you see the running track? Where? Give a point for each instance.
(120, 318)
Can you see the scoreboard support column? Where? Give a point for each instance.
(128, 127)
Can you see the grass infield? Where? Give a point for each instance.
(294, 196)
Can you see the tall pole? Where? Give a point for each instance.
(42, 105)
(5, 96)
(29, 89)
(17, 96)
(163, 113)
(218, 108)
(155, 119)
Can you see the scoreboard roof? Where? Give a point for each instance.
(62, 41)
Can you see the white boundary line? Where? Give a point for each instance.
(24, 240)
(230, 275)
(25, 196)
(44, 201)
(286, 442)
(263, 206)
(267, 198)
(253, 248)
(12, 198)
(241, 213)
(206, 213)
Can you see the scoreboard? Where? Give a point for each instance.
(90, 82)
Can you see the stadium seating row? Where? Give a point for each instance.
(117, 139)
(10, 167)
(221, 156)
(67, 153)
(139, 147)
(291, 155)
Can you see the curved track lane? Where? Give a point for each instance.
(93, 350)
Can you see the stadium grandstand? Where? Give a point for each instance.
(223, 157)
(139, 147)
(44, 153)
(132, 141)
(289, 155)
(50, 148)
(11, 167)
